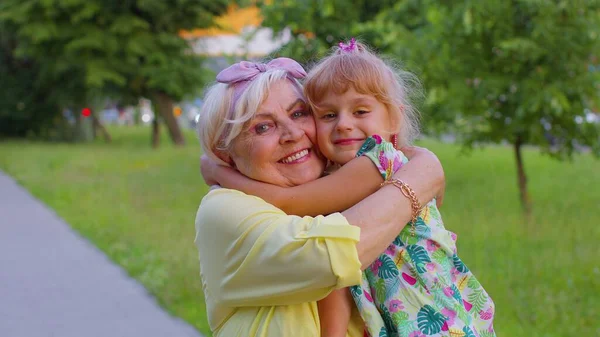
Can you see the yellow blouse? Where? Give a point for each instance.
(263, 270)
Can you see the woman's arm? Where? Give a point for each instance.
(335, 192)
(382, 215)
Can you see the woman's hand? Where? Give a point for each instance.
(436, 168)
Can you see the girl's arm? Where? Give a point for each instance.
(334, 313)
(350, 184)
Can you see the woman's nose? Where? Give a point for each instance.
(291, 133)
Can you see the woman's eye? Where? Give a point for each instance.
(328, 116)
(299, 113)
(262, 128)
(362, 112)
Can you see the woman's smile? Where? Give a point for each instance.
(297, 157)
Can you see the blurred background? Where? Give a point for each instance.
(99, 101)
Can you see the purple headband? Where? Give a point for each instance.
(241, 74)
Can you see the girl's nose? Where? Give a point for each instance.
(343, 124)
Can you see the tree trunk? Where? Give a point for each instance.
(98, 126)
(522, 177)
(83, 127)
(155, 132)
(164, 105)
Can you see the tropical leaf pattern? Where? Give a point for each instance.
(468, 332)
(459, 265)
(456, 333)
(355, 291)
(388, 268)
(420, 277)
(380, 291)
(478, 298)
(420, 257)
(430, 321)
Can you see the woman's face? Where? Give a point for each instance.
(278, 146)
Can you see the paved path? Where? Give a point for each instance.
(55, 283)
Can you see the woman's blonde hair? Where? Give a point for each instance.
(353, 65)
(220, 123)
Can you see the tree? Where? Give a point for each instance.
(509, 71)
(25, 109)
(495, 71)
(123, 49)
(316, 25)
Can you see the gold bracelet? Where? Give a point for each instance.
(410, 194)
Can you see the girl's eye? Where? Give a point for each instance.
(328, 116)
(362, 112)
(262, 128)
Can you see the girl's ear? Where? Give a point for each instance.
(396, 120)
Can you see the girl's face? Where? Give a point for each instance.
(345, 121)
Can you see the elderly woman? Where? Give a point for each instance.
(263, 270)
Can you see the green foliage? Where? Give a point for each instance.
(495, 70)
(86, 49)
(512, 71)
(25, 109)
(317, 24)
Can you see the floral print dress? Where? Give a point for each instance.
(419, 286)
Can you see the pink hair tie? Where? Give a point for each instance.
(241, 74)
(350, 47)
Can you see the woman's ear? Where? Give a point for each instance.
(225, 157)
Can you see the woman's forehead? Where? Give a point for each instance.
(282, 95)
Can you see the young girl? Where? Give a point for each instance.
(419, 286)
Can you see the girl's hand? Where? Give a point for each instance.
(208, 168)
(414, 151)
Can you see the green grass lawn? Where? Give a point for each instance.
(138, 206)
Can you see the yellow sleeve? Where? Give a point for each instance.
(253, 254)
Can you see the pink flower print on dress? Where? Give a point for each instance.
(377, 138)
(453, 236)
(395, 306)
(448, 292)
(416, 334)
(432, 246)
(454, 274)
(450, 315)
(430, 266)
(486, 315)
(375, 266)
(445, 326)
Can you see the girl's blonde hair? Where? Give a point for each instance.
(219, 123)
(355, 66)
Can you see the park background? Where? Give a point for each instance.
(99, 101)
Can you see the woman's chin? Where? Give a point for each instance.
(302, 172)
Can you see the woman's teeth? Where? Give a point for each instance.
(295, 157)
